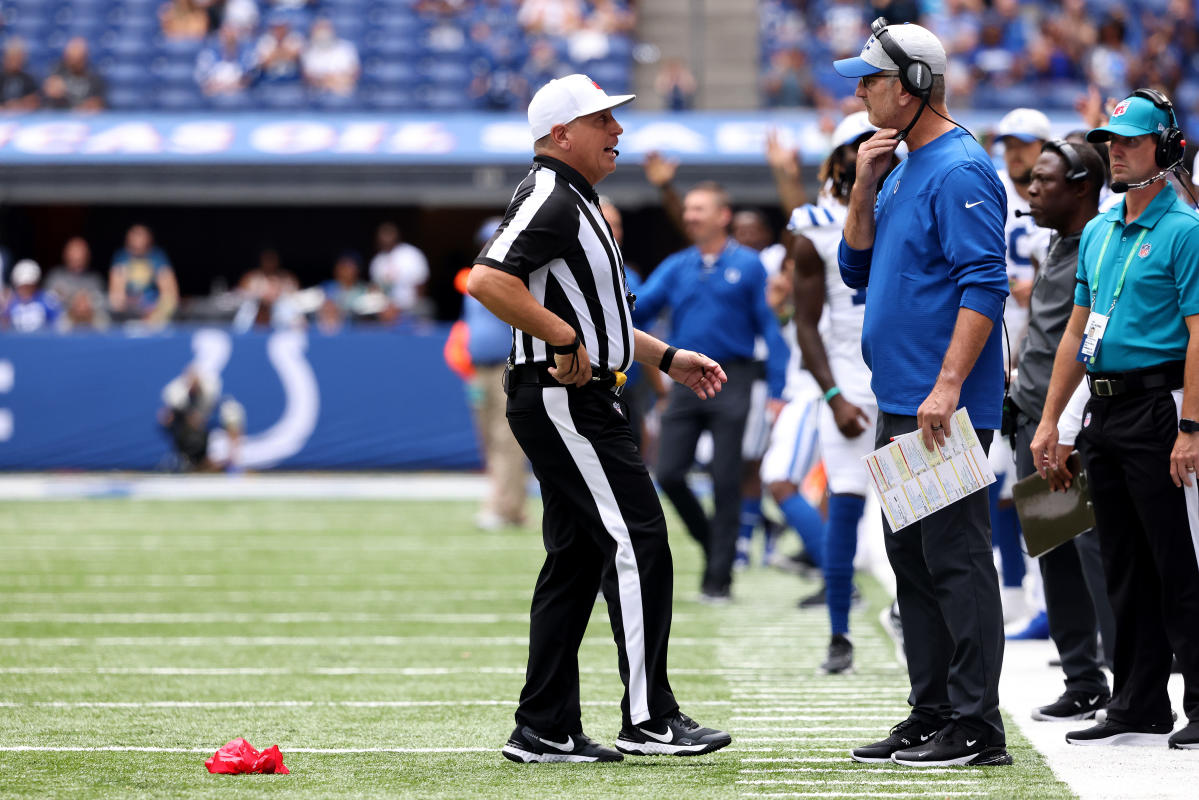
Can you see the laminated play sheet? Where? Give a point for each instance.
(912, 482)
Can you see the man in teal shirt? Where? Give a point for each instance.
(1134, 331)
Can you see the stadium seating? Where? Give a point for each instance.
(411, 59)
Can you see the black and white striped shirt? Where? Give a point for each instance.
(555, 239)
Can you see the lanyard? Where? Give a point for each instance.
(1127, 261)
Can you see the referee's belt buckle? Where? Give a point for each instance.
(1103, 387)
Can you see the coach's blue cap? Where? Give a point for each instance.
(1134, 116)
(919, 43)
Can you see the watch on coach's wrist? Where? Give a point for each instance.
(1188, 425)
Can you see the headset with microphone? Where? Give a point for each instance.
(915, 76)
(1171, 145)
(1075, 169)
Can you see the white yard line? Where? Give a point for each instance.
(307, 486)
(301, 641)
(286, 749)
(219, 704)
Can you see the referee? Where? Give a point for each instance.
(554, 272)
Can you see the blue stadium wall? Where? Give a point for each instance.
(356, 400)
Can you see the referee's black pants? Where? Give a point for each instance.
(603, 528)
(1075, 591)
(686, 417)
(1149, 535)
(949, 603)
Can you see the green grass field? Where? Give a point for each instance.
(382, 646)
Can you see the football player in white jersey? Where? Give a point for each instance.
(785, 451)
(834, 359)
(1022, 132)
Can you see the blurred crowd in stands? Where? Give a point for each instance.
(294, 54)
(141, 288)
(491, 54)
(1002, 53)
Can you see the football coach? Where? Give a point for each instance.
(929, 248)
(554, 272)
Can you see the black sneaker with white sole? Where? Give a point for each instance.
(1071, 706)
(1113, 732)
(676, 735)
(840, 656)
(954, 746)
(909, 733)
(527, 746)
(1186, 738)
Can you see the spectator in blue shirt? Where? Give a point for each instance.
(141, 282)
(716, 293)
(29, 309)
(929, 246)
(226, 66)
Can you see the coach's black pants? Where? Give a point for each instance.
(603, 528)
(686, 417)
(949, 603)
(1147, 531)
(1075, 591)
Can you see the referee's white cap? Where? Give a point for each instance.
(565, 99)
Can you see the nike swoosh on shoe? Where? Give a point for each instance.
(665, 738)
(565, 747)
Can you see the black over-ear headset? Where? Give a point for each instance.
(914, 75)
(1075, 169)
(1171, 144)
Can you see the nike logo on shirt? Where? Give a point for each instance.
(976, 202)
(661, 737)
(566, 746)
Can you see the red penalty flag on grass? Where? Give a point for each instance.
(239, 757)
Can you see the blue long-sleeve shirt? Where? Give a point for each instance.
(938, 246)
(717, 310)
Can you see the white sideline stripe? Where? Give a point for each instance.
(290, 703)
(300, 641)
(22, 748)
(628, 577)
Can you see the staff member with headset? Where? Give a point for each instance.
(1134, 331)
(555, 273)
(929, 247)
(1063, 196)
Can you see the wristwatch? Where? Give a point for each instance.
(1188, 425)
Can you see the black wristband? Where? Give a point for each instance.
(566, 349)
(667, 359)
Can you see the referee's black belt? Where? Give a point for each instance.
(538, 375)
(1163, 377)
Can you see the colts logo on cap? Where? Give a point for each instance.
(1119, 110)
(1144, 251)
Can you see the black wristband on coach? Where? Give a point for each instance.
(566, 349)
(667, 359)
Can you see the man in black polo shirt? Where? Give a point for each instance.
(555, 273)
